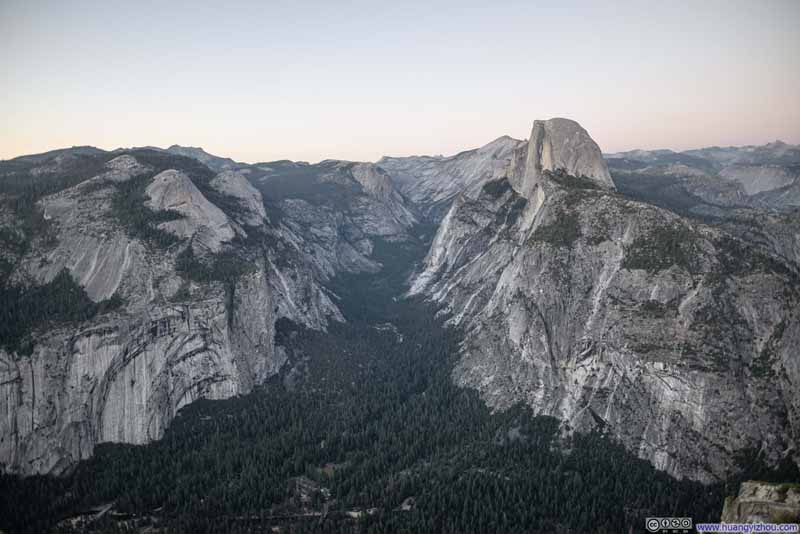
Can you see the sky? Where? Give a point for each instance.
(308, 80)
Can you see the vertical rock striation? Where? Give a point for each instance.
(433, 182)
(676, 337)
(123, 375)
(559, 144)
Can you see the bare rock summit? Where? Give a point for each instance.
(559, 145)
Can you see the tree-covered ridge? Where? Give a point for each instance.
(324, 183)
(572, 182)
(60, 300)
(129, 209)
(129, 201)
(661, 248)
(24, 181)
(563, 231)
(226, 267)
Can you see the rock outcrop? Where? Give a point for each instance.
(334, 212)
(211, 161)
(123, 375)
(610, 313)
(123, 379)
(174, 191)
(98, 255)
(236, 185)
(760, 178)
(378, 185)
(559, 144)
(763, 502)
(432, 182)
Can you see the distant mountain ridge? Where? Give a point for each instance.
(771, 150)
(772, 167)
(766, 176)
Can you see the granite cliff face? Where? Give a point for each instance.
(236, 185)
(335, 211)
(173, 191)
(97, 255)
(676, 337)
(211, 161)
(757, 179)
(558, 144)
(123, 378)
(433, 182)
(200, 273)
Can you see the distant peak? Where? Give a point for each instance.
(503, 140)
(501, 144)
(777, 144)
(214, 162)
(174, 148)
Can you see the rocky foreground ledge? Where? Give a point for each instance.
(763, 502)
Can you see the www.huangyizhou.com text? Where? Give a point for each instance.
(747, 527)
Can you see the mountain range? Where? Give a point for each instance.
(651, 296)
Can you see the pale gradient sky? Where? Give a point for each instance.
(264, 80)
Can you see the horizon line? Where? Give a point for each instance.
(217, 155)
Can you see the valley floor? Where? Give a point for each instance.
(363, 431)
